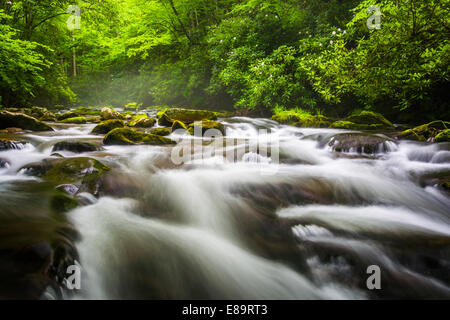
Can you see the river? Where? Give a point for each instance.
(298, 220)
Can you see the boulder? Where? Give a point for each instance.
(109, 113)
(106, 126)
(42, 114)
(367, 120)
(83, 172)
(164, 119)
(75, 120)
(205, 125)
(161, 131)
(142, 121)
(19, 120)
(178, 125)
(188, 116)
(133, 106)
(67, 115)
(126, 136)
(76, 146)
(360, 143)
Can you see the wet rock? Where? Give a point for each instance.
(109, 113)
(4, 163)
(164, 119)
(75, 120)
(62, 203)
(189, 116)
(443, 136)
(142, 121)
(68, 188)
(42, 114)
(161, 131)
(426, 132)
(126, 136)
(85, 173)
(360, 143)
(133, 106)
(12, 130)
(106, 126)
(178, 125)
(367, 120)
(76, 146)
(67, 115)
(87, 111)
(205, 125)
(19, 120)
(6, 144)
(94, 119)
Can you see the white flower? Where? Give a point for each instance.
(221, 41)
(276, 17)
(262, 63)
(310, 36)
(320, 44)
(345, 31)
(339, 29)
(334, 32)
(331, 42)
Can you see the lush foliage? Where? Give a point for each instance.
(318, 56)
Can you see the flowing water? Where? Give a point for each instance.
(296, 220)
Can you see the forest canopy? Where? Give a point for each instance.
(321, 56)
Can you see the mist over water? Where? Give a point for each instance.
(304, 227)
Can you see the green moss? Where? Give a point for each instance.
(18, 120)
(81, 171)
(87, 111)
(126, 136)
(109, 113)
(142, 121)
(164, 119)
(67, 115)
(178, 125)
(161, 131)
(42, 114)
(206, 125)
(310, 121)
(75, 120)
(443, 136)
(132, 106)
(343, 124)
(106, 126)
(371, 120)
(185, 115)
(426, 131)
(62, 203)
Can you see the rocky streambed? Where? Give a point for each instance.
(176, 203)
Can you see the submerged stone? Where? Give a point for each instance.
(19, 120)
(126, 136)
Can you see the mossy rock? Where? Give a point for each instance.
(126, 136)
(132, 106)
(75, 120)
(76, 146)
(310, 121)
(205, 125)
(370, 120)
(164, 119)
(178, 125)
(87, 111)
(67, 115)
(94, 119)
(426, 132)
(106, 126)
(109, 113)
(19, 120)
(161, 131)
(443, 136)
(62, 203)
(186, 116)
(142, 121)
(42, 114)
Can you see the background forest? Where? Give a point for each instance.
(254, 56)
